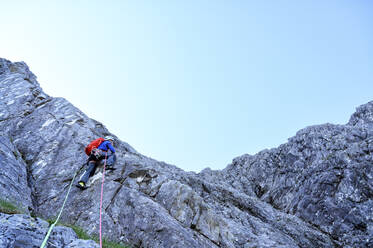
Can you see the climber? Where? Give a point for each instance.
(96, 156)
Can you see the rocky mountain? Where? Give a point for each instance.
(314, 191)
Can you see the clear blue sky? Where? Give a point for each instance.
(197, 83)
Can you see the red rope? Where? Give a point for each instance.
(102, 193)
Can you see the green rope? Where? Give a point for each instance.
(59, 215)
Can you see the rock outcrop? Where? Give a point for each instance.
(314, 191)
(20, 230)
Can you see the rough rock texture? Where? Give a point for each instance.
(314, 191)
(14, 185)
(324, 175)
(24, 231)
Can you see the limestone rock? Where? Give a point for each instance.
(322, 175)
(20, 230)
(314, 191)
(14, 179)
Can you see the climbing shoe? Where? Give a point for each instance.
(81, 185)
(111, 168)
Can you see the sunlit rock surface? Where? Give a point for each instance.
(314, 191)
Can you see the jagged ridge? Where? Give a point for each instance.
(314, 191)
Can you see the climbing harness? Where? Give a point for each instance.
(59, 215)
(102, 192)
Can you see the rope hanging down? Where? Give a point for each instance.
(102, 193)
(59, 215)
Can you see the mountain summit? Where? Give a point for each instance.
(314, 191)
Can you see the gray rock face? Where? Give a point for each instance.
(14, 185)
(314, 191)
(323, 175)
(24, 231)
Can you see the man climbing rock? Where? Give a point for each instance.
(98, 150)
